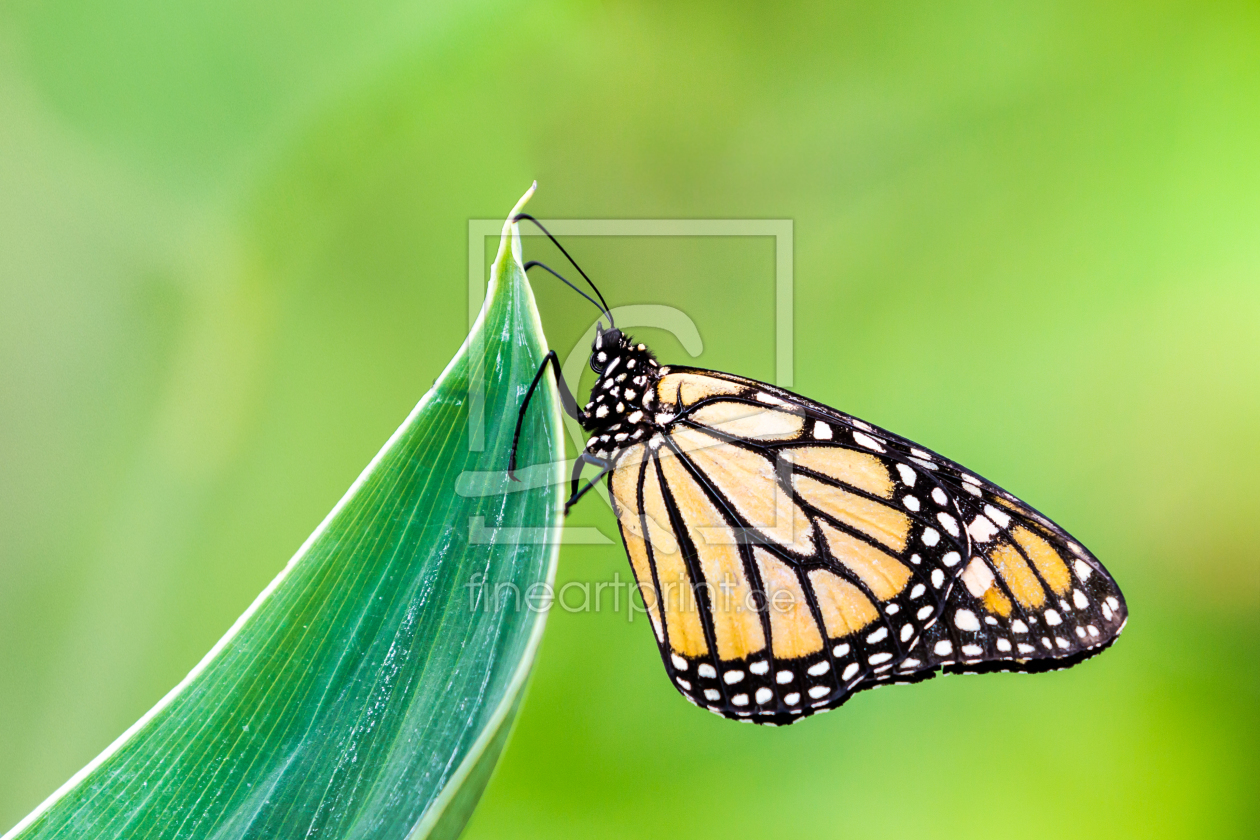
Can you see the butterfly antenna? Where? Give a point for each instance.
(519, 216)
(549, 270)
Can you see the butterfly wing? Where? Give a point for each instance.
(1031, 598)
(790, 555)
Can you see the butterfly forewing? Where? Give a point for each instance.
(790, 555)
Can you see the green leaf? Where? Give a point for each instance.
(370, 689)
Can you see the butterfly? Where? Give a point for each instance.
(790, 555)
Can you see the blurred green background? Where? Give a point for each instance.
(233, 255)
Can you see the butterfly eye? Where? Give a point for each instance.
(606, 341)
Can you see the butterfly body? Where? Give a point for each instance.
(619, 413)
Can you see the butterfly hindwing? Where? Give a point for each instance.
(791, 555)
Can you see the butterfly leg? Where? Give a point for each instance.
(582, 460)
(566, 401)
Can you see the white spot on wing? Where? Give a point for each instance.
(943, 648)
(1083, 570)
(966, 620)
(821, 431)
(706, 670)
(763, 695)
(907, 474)
(732, 677)
(978, 577)
(679, 662)
(997, 516)
(948, 522)
(867, 441)
(819, 668)
(982, 529)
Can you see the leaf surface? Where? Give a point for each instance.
(368, 691)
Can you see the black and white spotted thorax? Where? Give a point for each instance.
(620, 411)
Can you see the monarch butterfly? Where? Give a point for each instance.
(790, 555)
